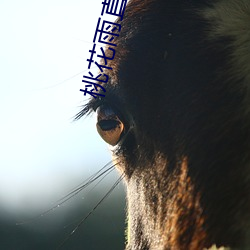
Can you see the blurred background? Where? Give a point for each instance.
(44, 154)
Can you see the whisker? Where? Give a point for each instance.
(91, 191)
(87, 182)
(108, 172)
(103, 171)
(93, 209)
(62, 82)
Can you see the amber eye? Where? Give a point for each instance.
(108, 125)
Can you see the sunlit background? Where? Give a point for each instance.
(44, 153)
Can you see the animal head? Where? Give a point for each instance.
(176, 110)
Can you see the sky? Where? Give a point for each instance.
(43, 53)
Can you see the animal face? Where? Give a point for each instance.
(176, 111)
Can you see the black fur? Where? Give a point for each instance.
(186, 156)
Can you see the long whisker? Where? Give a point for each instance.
(65, 80)
(90, 191)
(93, 209)
(79, 189)
(87, 182)
(103, 171)
(108, 172)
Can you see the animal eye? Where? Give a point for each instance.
(108, 125)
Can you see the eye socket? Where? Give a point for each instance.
(108, 125)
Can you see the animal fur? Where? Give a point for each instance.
(180, 83)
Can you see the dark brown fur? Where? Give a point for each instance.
(186, 148)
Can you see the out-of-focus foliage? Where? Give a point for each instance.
(104, 229)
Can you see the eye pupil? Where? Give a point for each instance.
(106, 125)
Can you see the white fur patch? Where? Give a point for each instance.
(231, 18)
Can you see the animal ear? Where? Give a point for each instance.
(109, 125)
